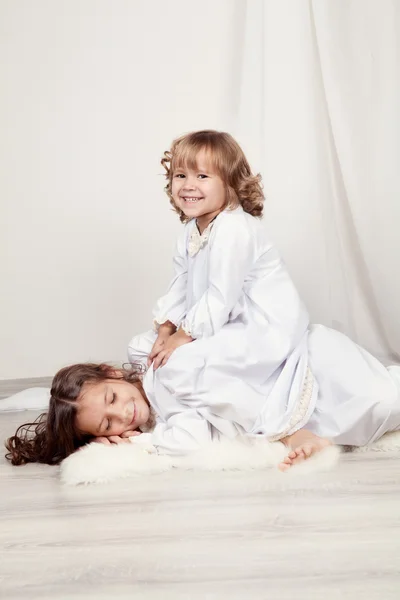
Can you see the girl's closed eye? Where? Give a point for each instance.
(108, 425)
(114, 396)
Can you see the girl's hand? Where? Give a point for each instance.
(173, 342)
(116, 439)
(164, 332)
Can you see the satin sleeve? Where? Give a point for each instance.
(184, 432)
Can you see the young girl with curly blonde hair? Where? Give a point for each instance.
(233, 338)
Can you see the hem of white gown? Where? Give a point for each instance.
(303, 410)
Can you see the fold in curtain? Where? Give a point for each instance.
(318, 113)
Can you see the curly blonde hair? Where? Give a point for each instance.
(229, 161)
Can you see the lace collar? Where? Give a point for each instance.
(198, 240)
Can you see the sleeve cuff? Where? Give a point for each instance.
(161, 320)
(186, 328)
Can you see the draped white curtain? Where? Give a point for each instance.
(319, 112)
(93, 91)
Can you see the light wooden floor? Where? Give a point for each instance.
(186, 535)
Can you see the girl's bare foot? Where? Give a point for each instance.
(303, 444)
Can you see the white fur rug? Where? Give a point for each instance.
(97, 463)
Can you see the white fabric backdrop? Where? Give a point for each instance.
(94, 92)
(319, 107)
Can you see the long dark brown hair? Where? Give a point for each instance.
(54, 435)
(242, 186)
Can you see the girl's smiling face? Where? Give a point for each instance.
(199, 192)
(111, 407)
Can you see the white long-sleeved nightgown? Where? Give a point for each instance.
(256, 367)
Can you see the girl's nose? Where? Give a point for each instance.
(190, 183)
(119, 414)
(115, 413)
